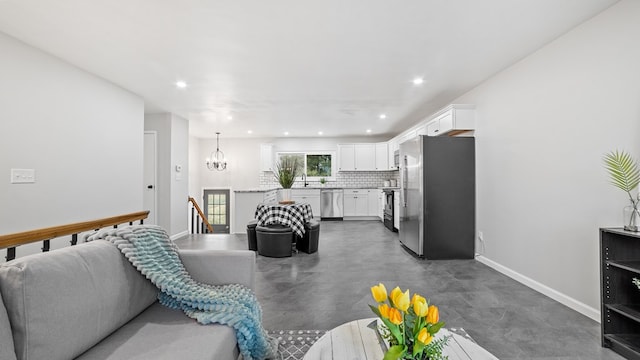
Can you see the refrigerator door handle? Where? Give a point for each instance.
(405, 182)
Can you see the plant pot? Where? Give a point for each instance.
(286, 194)
(630, 218)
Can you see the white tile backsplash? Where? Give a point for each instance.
(344, 179)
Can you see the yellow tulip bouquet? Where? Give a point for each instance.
(411, 325)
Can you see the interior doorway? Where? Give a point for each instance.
(149, 176)
(217, 209)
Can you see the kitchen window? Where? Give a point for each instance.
(315, 164)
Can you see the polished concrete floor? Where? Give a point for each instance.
(331, 287)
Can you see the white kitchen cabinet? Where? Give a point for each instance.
(266, 157)
(357, 157)
(365, 155)
(381, 200)
(356, 202)
(372, 200)
(346, 157)
(452, 120)
(270, 197)
(422, 129)
(382, 156)
(311, 196)
(407, 136)
(393, 146)
(396, 209)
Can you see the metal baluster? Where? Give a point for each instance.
(192, 220)
(11, 253)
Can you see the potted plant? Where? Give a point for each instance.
(323, 181)
(624, 174)
(287, 169)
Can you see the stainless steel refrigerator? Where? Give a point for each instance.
(437, 197)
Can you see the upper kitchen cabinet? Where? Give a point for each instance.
(382, 156)
(365, 156)
(407, 136)
(452, 120)
(392, 147)
(357, 157)
(346, 157)
(266, 157)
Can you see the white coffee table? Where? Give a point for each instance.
(356, 341)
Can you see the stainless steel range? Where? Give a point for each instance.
(388, 209)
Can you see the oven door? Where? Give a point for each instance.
(388, 210)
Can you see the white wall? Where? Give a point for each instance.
(161, 124)
(543, 126)
(243, 157)
(81, 134)
(172, 187)
(180, 180)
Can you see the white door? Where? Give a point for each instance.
(149, 176)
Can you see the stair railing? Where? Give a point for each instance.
(199, 224)
(11, 241)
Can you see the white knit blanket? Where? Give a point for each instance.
(150, 250)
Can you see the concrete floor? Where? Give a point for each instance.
(331, 287)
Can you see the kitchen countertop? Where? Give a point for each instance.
(254, 190)
(318, 188)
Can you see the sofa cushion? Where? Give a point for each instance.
(65, 301)
(163, 333)
(7, 351)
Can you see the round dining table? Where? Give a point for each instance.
(292, 215)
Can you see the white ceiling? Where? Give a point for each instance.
(300, 66)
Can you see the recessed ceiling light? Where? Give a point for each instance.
(181, 84)
(368, 131)
(249, 132)
(418, 81)
(383, 116)
(286, 133)
(319, 132)
(229, 117)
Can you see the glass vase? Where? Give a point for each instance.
(630, 217)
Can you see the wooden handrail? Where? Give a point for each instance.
(204, 218)
(27, 237)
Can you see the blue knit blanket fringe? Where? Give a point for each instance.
(150, 250)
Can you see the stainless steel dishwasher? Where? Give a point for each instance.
(331, 204)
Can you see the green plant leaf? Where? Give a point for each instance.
(394, 352)
(287, 169)
(623, 170)
(435, 327)
(375, 311)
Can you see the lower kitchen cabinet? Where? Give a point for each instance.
(361, 202)
(356, 202)
(372, 195)
(396, 210)
(311, 196)
(620, 297)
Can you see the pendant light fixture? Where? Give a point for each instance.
(217, 160)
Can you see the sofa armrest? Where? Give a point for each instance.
(221, 267)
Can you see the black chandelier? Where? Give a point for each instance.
(217, 160)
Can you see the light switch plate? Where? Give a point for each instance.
(23, 176)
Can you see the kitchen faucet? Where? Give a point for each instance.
(304, 178)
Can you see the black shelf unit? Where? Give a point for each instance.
(619, 297)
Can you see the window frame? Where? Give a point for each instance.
(332, 154)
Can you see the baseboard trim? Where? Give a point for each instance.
(568, 301)
(179, 235)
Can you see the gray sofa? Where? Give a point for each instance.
(88, 302)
